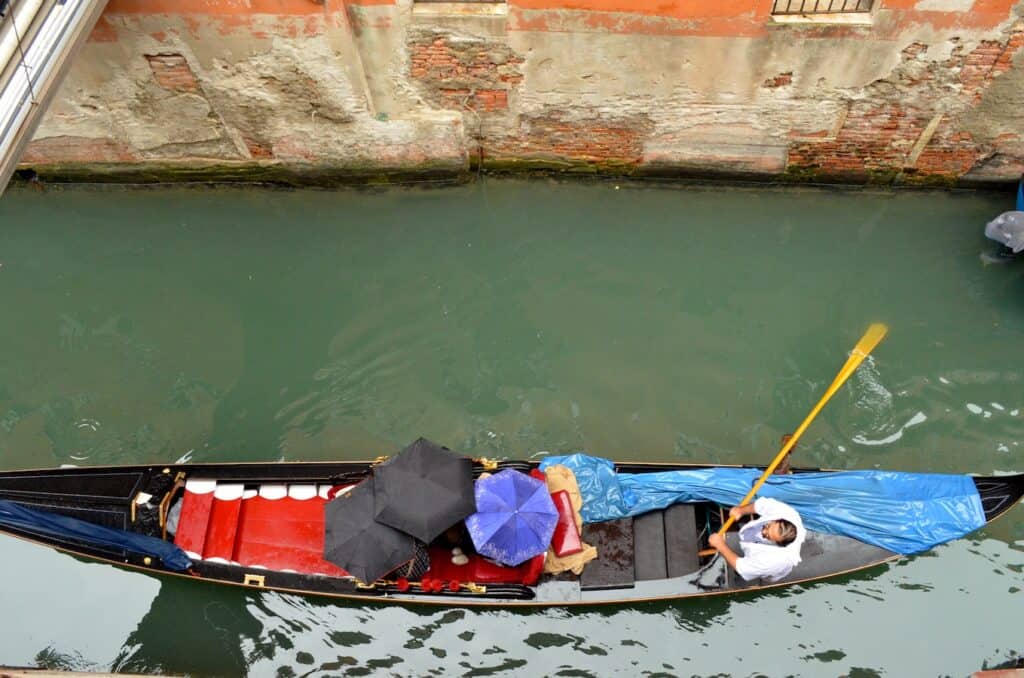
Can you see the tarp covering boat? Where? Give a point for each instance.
(901, 512)
(18, 517)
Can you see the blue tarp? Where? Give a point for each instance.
(16, 516)
(902, 512)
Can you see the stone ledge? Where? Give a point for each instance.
(245, 172)
(467, 9)
(337, 176)
(829, 19)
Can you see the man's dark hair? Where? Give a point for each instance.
(787, 532)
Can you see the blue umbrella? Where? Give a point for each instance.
(514, 517)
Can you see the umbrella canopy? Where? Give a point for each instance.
(424, 490)
(515, 517)
(1008, 229)
(356, 542)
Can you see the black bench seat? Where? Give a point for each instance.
(656, 545)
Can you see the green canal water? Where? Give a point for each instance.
(511, 319)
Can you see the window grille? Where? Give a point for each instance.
(821, 6)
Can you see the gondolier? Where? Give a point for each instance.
(770, 544)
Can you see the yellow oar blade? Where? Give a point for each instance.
(871, 338)
(867, 343)
(875, 333)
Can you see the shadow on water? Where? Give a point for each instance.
(210, 634)
(208, 630)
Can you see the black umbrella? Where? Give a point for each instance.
(356, 542)
(424, 490)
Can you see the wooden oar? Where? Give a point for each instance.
(871, 338)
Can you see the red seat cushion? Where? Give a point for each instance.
(532, 569)
(480, 570)
(278, 534)
(220, 535)
(194, 520)
(284, 534)
(566, 539)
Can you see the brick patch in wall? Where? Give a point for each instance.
(881, 133)
(589, 140)
(476, 99)
(989, 60)
(172, 72)
(780, 80)
(258, 150)
(458, 72)
(875, 136)
(75, 149)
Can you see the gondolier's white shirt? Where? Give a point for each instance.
(763, 557)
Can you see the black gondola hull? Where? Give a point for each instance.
(111, 497)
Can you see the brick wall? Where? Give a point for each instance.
(884, 132)
(460, 73)
(593, 139)
(172, 72)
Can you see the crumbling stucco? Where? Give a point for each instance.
(920, 92)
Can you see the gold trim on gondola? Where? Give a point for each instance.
(365, 586)
(490, 465)
(165, 503)
(379, 460)
(475, 588)
(257, 580)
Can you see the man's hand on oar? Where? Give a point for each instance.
(875, 333)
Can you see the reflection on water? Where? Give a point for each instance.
(859, 622)
(510, 319)
(217, 633)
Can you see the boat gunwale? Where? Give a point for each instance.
(1016, 480)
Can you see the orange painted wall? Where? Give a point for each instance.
(229, 7)
(680, 9)
(723, 18)
(214, 7)
(720, 18)
(717, 18)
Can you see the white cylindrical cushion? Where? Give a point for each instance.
(229, 492)
(302, 492)
(200, 486)
(273, 491)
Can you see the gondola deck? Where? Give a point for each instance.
(245, 539)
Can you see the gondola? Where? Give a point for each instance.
(261, 526)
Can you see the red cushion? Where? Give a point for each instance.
(532, 569)
(538, 474)
(480, 570)
(284, 533)
(566, 539)
(279, 534)
(194, 521)
(220, 535)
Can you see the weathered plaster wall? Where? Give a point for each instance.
(229, 84)
(928, 90)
